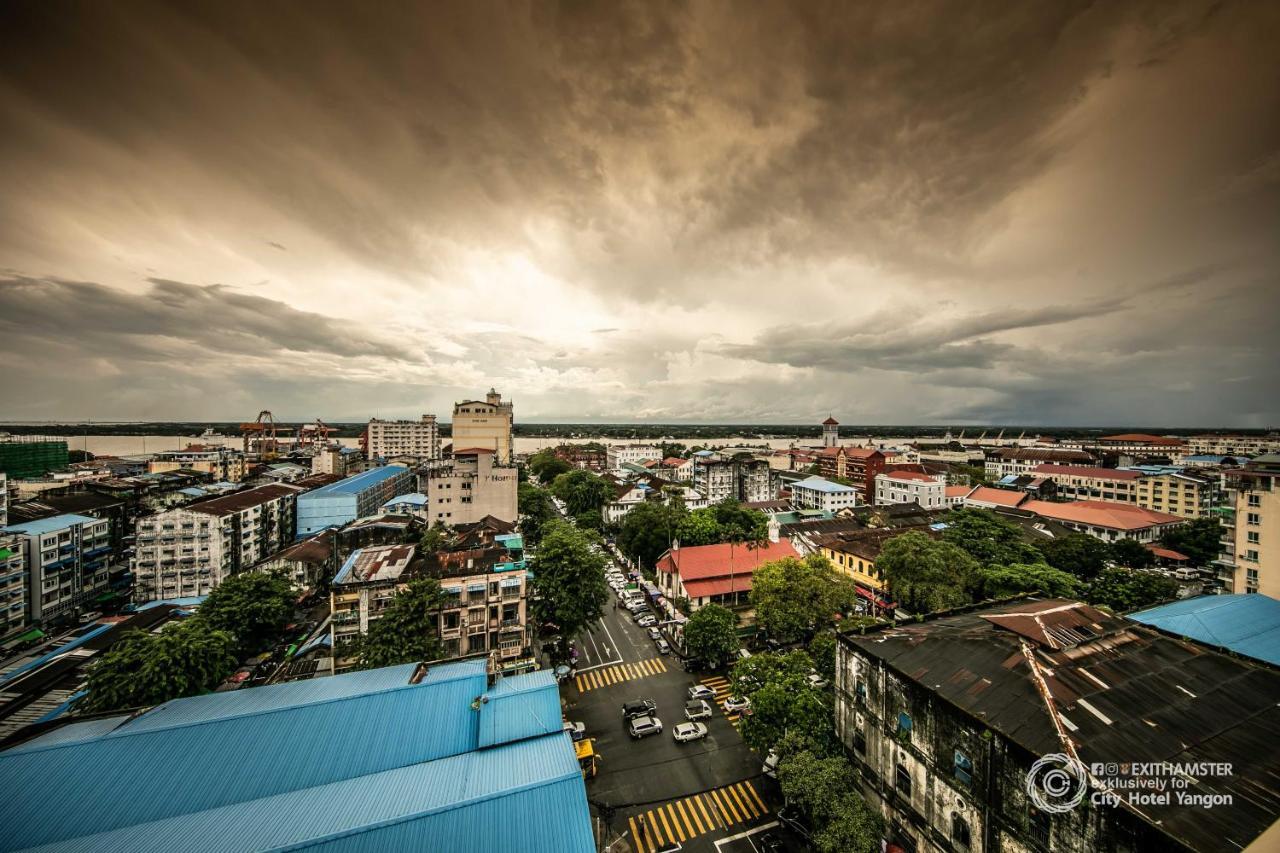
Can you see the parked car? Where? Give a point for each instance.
(815, 680)
(697, 709)
(646, 620)
(655, 634)
(737, 704)
(701, 691)
(644, 726)
(664, 648)
(743, 654)
(577, 731)
(685, 732)
(639, 708)
(770, 768)
(1185, 574)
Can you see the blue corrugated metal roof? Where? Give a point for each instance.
(820, 485)
(520, 706)
(356, 482)
(49, 525)
(413, 498)
(73, 732)
(526, 796)
(1248, 624)
(55, 653)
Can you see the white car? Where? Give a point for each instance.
(685, 732)
(701, 691)
(646, 621)
(770, 768)
(816, 680)
(697, 709)
(576, 730)
(737, 704)
(644, 726)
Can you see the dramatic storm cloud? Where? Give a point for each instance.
(1053, 213)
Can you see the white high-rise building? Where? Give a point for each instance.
(398, 439)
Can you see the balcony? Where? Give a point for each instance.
(346, 617)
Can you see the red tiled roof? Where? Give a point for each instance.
(830, 451)
(1000, 497)
(830, 421)
(1167, 553)
(1116, 516)
(718, 586)
(1087, 471)
(471, 450)
(1144, 438)
(701, 562)
(957, 491)
(861, 452)
(673, 462)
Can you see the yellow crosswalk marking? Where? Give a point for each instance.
(707, 819)
(738, 817)
(759, 800)
(578, 681)
(639, 842)
(657, 836)
(661, 666)
(689, 824)
(663, 817)
(743, 802)
(675, 821)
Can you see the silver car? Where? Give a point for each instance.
(685, 732)
(644, 726)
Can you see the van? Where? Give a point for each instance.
(1185, 574)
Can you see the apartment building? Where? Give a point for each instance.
(858, 465)
(817, 493)
(1248, 446)
(13, 583)
(473, 486)
(342, 461)
(220, 463)
(25, 457)
(485, 424)
(66, 559)
(188, 551)
(1256, 546)
(363, 588)
(1109, 520)
(4, 500)
(418, 439)
(353, 497)
(1024, 460)
(905, 487)
(620, 455)
(1085, 482)
(1183, 493)
(742, 478)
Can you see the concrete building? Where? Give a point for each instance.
(854, 554)
(418, 439)
(741, 478)
(485, 424)
(987, 497)
(487, 599)
(1255, 549)
(944, 721)
(25, 457)
(4, 499)
(830, 432)
(353, 497)
(473, 486)
(13, 584)
(858, 465)
(341, 461)
(676, 470)
(1106, 519)
(66, 561)
(1024, 460)
(1248, 446)
(1183, 493)
(363, 588)
(905, 487)
(188, 551)
(715, 574)
(307, 564)
(817, 493)
(220, 463)
(620, 455)
(1083, 482)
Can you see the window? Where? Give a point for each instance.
(902, 780)
(1251, 555)
(1254, 518)
(1039, 826)
(861, 692)
(1255, 500)
(1253, 537)
(960, 835)
(962, 768)
(859, 742)
(904, 726)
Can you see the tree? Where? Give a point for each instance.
(1078, 553)
(987, 538)
(699, 528)
(568, 582)
(253, 607)
(1002, 581)
(536, 509)
(1200, 539)
(144, 669)
(581, 491)
(1131, 554)
(649, 529)
(793, 597)
(546, 465)
(710, 635)
(822, 788)
(738, 523)
(822, 648)
(783, 701)
(434, 538)
(408, 630)
(926, 575)
(790, 670)
(1123, 589)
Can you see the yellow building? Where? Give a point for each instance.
(1256, 549)
(854, 555)
(484, 425)
(1185, 495)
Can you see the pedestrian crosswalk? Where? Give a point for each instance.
(681, 820)
(723, 690)
(618, 673)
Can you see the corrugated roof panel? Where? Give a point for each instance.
(1246, 624)
(356, 482)
(520, 706)
(73, 732)
(463, 803)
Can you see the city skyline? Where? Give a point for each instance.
(1054, 216)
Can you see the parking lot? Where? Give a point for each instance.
(657, 791)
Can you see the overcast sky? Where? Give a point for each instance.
(1038, 213)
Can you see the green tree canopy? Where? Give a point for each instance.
(783, 702)
(581, 491)
(1078, 553)
(824, 790)
(546, 465)
(793, 598)
(1002, 581)
(144, 669)
(1131, 554)
(926, 575)
(433, 538)
(1123, 589)
(568, 579)
(408, 630)
(648, 530)
(788, 670)
(1200, 539)
(726, 521)
(987, 538)
(822, 648)
(699, 528)
(711, 636)
(253, 607)
(536, 510)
